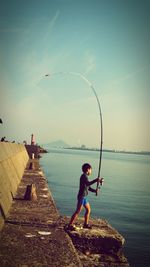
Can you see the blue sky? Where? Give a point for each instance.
(106, 41)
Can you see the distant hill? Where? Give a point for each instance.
(57, 144)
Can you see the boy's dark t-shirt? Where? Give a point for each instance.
(85, 186)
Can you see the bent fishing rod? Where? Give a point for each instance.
(100, 115)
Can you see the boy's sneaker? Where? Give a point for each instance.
(71, 227)
(87, 226)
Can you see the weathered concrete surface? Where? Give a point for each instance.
(13, 160)
(24, 246)
(101, 238)
(23, 239)
(103, 260)
(24, 243)
(100, 246)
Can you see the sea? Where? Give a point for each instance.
(123, 200)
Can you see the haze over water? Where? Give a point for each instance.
(124, 198)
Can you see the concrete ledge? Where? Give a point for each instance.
(25, 246)
(101, 246)
(32, 235)
(102, 238)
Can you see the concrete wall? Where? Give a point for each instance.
(13, 160)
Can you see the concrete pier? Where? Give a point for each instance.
(33, 232)
(32, 235)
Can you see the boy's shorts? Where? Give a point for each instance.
(83, 201)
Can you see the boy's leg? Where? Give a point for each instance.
(76, 213)
(87, 213)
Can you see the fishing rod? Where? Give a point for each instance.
(100, 115)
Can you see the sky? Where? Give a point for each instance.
(106, 41)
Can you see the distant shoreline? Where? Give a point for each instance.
(110, 150)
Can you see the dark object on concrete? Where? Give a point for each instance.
(3, 139)
(30, 193)
(1, 121)
(31, 166)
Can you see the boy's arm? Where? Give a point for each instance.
(88, 183)
(92, 189)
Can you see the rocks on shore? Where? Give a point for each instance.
(42, 150)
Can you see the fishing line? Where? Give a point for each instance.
(99, 108)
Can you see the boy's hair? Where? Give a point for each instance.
(86, 166)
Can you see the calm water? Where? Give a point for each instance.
(124, 198)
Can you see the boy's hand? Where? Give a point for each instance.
(100, 180)
(96, 191)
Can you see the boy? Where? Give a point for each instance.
(82, 196)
